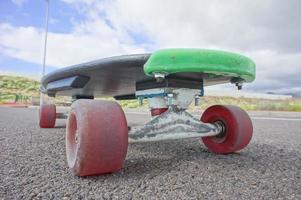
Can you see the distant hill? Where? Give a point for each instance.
(15, 88)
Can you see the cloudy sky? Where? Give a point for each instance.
(267, 31)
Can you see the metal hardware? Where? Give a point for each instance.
(239, 85)
(170, 99)
(158, 98)
(169, 82)
(221, 129)
(159, 77)
(197, 100)
(140, 99)
(61, 115)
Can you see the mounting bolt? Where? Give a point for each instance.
(239, 85)
(159, 77)
(140, 99)
(197, 100)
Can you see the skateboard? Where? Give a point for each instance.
(97, 134)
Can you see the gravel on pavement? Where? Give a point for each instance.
(32, 165)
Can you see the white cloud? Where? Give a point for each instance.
(53, 21)
(18, 3)
(26, 43)
(267, 31)
(21, 42)
(240, 25)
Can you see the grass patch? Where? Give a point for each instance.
(252, 104)
(17, 89)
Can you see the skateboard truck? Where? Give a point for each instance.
(175, 123)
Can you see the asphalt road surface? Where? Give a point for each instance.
(32, 164)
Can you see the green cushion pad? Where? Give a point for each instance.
(220, 63)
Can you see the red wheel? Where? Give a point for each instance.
(47, 115)
(237, 129)
(96, 137)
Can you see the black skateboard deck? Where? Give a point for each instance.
(114, 76)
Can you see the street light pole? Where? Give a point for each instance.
(46, 33)
(42, 98)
